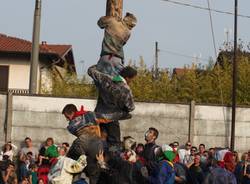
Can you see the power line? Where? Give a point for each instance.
(212, 28)
(204, 8)
(182, 55)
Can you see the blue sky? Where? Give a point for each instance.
(177, 28)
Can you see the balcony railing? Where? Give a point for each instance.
(18, 91)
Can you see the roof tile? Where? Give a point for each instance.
(13, 44)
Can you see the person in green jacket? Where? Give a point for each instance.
(51, 151)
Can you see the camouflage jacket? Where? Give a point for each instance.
(114, 93)
(116, 35)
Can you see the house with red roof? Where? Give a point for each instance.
(15, 59)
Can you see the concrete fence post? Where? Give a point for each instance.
(191, 121)
(8, 122)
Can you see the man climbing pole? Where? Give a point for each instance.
(116, 34)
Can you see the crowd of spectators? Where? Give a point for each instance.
(135, 163)
(29, 164)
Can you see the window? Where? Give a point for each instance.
(4, 78)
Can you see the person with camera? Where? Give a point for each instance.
(8, 175)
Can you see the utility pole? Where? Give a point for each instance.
(227, 32)
(234, 93)
(212, 29)
(114, 8)
(35, 48)
(227, 37)
(156, 69)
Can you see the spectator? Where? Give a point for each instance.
(180, 173)
(184, 154)
(62, 171)
(9, 176)
(122, 166)
(211, 152)
(25, 180)
(150, 147)
(140, 171)
(29, 148)
(202, 149)
(43, 160)
(129, 143)
(4, 163)
(211, 161)
(203, 153)
(222, 173)
(193, 151)
(235, 157)
(33, 178)
(51, 150)
(47, 152)
(196, 174)
(139, 149)
(246, 173)
(164, 173)
(242, 170)
(9, 150)
(229, 162)
(42, 173)
(66, 145)
(23, 166)
(175, 145)
(41, 181)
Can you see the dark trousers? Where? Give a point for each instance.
(90, 146)
(113, 133)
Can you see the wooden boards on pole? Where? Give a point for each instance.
(114, 8)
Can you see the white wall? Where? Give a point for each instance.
(19, 73)
(40, 117)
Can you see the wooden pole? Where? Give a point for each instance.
(114, 8)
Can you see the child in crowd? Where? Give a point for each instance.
(23, 166)
(41, 181)
(25, 180)
(33, 179)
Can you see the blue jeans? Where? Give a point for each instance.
(80, 181)
(110, 65)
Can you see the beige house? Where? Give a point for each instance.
(15, 53)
